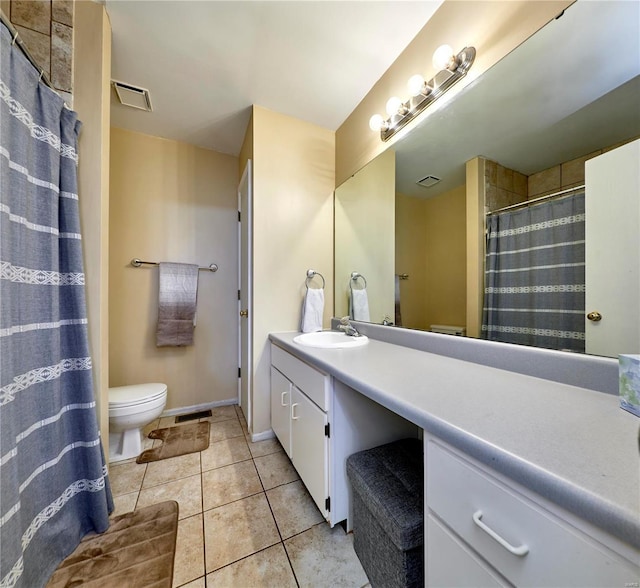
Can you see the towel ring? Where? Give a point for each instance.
(310, 275)
(356, 275)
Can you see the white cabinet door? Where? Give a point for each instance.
(309, 447)
(280, 409)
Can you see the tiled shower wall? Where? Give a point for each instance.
(504, 187)
(46, 27)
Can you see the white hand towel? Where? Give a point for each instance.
(359, 305)
(312, 310)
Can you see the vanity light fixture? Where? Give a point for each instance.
(451, 68)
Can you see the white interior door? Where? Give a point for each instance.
(245, 293)
(613, 251)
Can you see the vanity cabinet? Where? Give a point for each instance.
(320, 422)
(483, 529)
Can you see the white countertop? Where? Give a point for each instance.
(576, 447)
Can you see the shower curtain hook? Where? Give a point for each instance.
(15, 37)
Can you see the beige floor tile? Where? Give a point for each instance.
(323, 557)
(237, 530)
(189, 559)
(225, 452)
(266, 568)
(155, 424)
(174, 468)
(221, 413)
(266, 447)
(240, 414)
(293, 509)
(229, 483)
(126, 477)
(199, 583)
(187, 492)
(275, 470)
(124, 503)
(225, 430)
(166, 422)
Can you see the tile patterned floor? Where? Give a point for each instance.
(246, 519)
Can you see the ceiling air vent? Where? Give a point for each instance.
(132, 96)
(428, 181)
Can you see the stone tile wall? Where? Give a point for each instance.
(565, 175)
(504, 187)
(46, 27)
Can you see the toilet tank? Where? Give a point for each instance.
(449, 330)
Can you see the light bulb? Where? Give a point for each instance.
(442, 57)
(415, 84)
(376, 122)
(393, 105)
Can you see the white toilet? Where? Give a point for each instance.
(131, 408)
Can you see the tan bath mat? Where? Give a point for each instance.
(177, 441)
(137, 549)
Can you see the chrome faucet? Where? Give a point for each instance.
(347, 327)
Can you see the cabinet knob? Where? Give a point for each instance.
(594, 316)
(244, 312)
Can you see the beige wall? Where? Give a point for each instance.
(173, 202)
(431, 248)
(494, 28)
(446, 258)
(293, 185)
(411, 244)
(364, 230)
(246, 151)
(92, 62)
(475, 221)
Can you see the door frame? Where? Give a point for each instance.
(245, 297)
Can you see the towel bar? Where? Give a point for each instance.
(135, 262)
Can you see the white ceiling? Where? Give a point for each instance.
(206, 62)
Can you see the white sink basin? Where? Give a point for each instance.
(330, 340)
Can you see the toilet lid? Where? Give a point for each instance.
(135, 394)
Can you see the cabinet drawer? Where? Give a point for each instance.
(451, 563)
(551, 552)
(313, 383)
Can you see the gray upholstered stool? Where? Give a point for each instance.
(388, 519)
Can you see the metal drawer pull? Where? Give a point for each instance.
(519, 551)
(293, 417)
(282, 398)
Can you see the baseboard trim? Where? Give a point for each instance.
(198, 407)
(269, 434)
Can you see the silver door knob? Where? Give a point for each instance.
(244, 312)
(594, 316)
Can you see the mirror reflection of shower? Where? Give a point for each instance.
(426, 232)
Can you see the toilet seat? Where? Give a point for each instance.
(136, 394)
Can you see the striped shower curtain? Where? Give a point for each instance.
(53, 483)
(535, 275)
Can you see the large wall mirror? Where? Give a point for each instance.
(525, 128)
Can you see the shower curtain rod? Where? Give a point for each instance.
(17, 40)
(530, 202)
